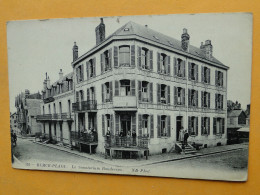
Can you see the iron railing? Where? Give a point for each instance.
(84, 105)
(83, 137)
(128, 142)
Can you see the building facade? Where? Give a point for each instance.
(14, 123)
(144, 86)
(28, 107)
(56, 115)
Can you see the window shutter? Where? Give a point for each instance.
(175, 66)
(134, 122)
(184, 71)
(196, 125)
(133, 56)
(189, 96)
(117, 123)
(82, 72)
(189, 124)
(202, 99)
(77, 96)
(139, 125)
(158, 93)
(208, 76)
(111, 90)
(175, 96)
(223, 126)
(94, 67)
(151, 92)
(214, 126)
(197, 72)
(202, 74)
(158, 126)
(222, 79)
(189, 70)
(183, 96)
(216, 78)
(87, 67)
(116, 88)
(169, 126)
(103, 125)
(202, 125)
(110, 58)
(103, 92)
(208, 100)
(222, 101)
(158, 63)
(169, 95)
(151, 127)
(216, 101)
(111, 124)
(133, 87)
(102, 62)
(88, 95)
(151, 59)
(169, 65)
(208, 125)
(140, 90)
(139, 50)
(115, 56)
(95, 93)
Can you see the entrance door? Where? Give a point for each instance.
(125, 124)
(178, 126)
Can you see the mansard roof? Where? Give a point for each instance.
(132, 28)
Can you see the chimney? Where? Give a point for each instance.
(185, 40)
(100, 32)
(207, 48)
(48, 82)
(60, 74)
(75, 52)
(26, 93)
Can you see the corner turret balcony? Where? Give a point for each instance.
(124, 102)
(89, 105)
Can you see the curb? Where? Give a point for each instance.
(151, 163)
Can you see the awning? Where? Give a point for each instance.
(243, 129)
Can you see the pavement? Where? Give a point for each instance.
(154, 159)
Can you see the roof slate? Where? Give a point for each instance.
(234, 113)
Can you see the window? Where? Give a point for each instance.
(219, 101)
(144, 58)
(145, 126)
(218, 126)
(193, 98)
(205, 99)
(219, 78)
(124, 56)
(163, 64)
(145, 95)
(91, 68)
(179, 67)
(193, 125)
(205, 75)
(79, 72)
(179, 96)
(108, 123)
(163, 94)
(205, 125)
(193, 71)
(163, 126)
(125, 88)
(107, 64)
(107, 92)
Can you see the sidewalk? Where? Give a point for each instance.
(154, 159)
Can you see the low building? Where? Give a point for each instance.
(28, 107)
(56, 115)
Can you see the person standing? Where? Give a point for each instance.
(186, 136)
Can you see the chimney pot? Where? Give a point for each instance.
(100, 32)
(75, 51)
(185, 40)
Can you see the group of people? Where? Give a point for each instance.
(183, 136)
(122, 136)
(92, 133)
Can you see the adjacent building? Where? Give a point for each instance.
(28, 107)
(138, 88)
(14, 123)
(56, 117)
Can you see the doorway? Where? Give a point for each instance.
(125, 124)
(179, 124)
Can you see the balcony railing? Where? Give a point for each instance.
(44, 117)
(84, 106)
(54, 117)
(127, 142)
(83, 137)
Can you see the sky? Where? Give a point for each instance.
(39, 46)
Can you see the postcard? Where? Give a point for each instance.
(155, 95)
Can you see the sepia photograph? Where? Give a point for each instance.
(151, 95)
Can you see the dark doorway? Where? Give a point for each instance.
(125, 124)
(178, 126)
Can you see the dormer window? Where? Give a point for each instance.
(124, 56)
(126, 29)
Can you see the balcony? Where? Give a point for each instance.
(44, 117)
(54, 117)
(89, 105)
(124, 102)
(127, 142)
(85, 138)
